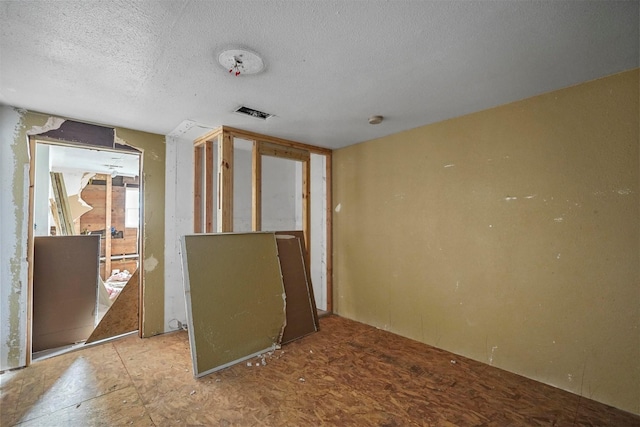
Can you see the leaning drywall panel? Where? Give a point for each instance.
(301, 309)
(234, 296)
(65, 278)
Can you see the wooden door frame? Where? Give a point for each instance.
(32, 144)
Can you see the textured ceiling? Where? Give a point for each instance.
(72, 159)
(152, 65)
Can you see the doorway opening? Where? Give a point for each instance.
(86, 240)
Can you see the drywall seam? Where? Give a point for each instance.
(179, 221)
(11, 271)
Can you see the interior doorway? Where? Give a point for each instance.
(86, 201)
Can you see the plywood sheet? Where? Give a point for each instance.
(235, 297)
(300, 310)
(122, 316)
(299, 234)
(65, 279)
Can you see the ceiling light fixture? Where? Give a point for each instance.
(374, 120)
(241, 61)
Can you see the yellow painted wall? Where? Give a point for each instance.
(153, 185)
(510, 236)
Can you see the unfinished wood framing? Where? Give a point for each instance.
(225, 183)
(119, 252)
(285, 152)
(198, 189)
(253, 136)
(263, 145)
(208, 185)
(306, 206)
(30, 249)
(107, 226)
(329, 246)
(256, 187)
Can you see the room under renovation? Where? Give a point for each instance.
(341, 213)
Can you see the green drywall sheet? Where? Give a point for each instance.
(235, 297)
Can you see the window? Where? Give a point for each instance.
(132, 207)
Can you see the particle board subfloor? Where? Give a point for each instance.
(346, 374)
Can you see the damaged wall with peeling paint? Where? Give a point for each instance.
(14, 170)
(510, 236)
(14, 178)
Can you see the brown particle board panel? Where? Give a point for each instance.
(235, 297)
(65, 279)
(122, 316)
(300, 306)
(299, 234)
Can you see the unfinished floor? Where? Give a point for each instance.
(346, 374)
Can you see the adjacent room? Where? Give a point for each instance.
(81, 192)
(320, 213)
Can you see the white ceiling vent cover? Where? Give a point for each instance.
(253, 113)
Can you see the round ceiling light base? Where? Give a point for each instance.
(374, 120)
(241, 61)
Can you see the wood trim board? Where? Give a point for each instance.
(30, 248)
(329, 241)
(209, 187)
(234, 295)
(253, 136)
(225, 184)
(198, 188)
(285, 152)
(256, 187)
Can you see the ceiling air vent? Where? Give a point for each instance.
(253, 113)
